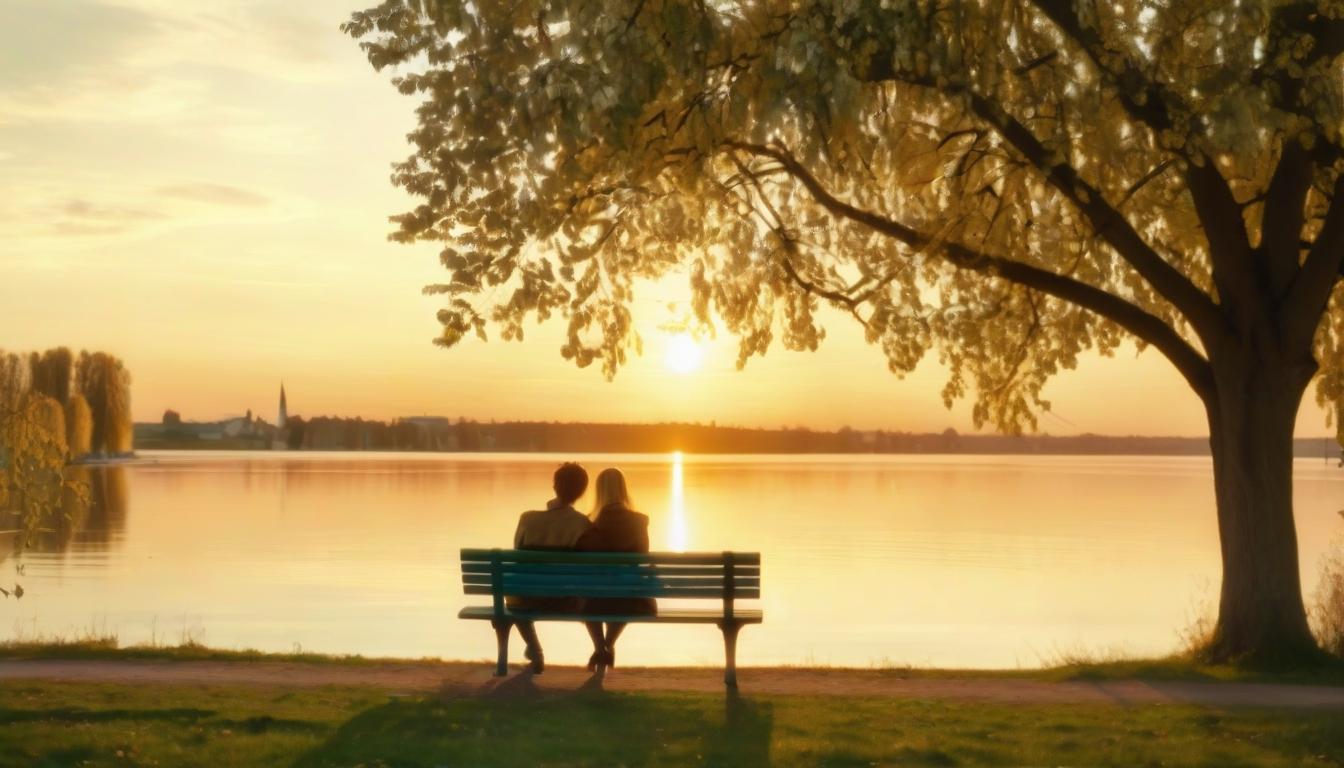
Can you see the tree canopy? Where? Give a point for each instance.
(1007, 182)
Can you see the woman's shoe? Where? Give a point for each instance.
(609, 657)
(598, 657)
(538, 660)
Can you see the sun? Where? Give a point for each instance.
(683, 354)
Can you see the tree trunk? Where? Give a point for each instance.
(1261, 616)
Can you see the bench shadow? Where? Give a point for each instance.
(515, 723)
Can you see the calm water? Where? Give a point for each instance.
(924, 560)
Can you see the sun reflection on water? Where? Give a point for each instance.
(676, 518)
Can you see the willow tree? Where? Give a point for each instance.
(33, 455)
(105, 384)
(1007, 182)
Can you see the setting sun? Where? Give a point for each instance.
(683, 354)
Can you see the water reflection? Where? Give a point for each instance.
(994, 561)
(91, 518)
(676, 508)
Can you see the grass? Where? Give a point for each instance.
(109, 648)
(1187, 668)
(50, 724)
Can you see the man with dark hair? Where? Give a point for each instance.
(557, 527)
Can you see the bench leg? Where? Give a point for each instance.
(502, 629)
(730, 630)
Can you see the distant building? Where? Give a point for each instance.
(247, 432)
(237, 425)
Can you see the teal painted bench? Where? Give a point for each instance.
(721, 576)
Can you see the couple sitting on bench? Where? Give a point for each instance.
(614, 527)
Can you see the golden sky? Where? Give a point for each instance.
(202, 189)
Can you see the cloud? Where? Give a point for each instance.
(144, 61)
(45, 43)
(87, 229)
(80, 218)
(284, 36)
(80, 208)
(215, 194)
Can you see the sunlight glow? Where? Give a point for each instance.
(683, 354)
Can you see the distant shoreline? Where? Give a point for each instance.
(438, 434)
(1324, 449)
(96, 460)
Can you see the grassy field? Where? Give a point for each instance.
(50, 724)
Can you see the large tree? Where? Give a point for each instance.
(1009, 182)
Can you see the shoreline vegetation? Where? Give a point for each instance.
(441, 434)
(57, 409)
(101, 460)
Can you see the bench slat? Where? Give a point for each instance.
(563, 569)
(609, 579)
(561, 590)
(588, 558)
(678, 616)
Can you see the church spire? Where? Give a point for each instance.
(284, 410)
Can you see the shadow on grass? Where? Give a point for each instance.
(81, 715)
(515, 723)
(177, 716)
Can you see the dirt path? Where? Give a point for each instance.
(474, 679)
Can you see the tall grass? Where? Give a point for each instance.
(1327, 613)
(94, 637)
(1197, 634)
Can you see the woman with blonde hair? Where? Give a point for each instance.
(617, 527)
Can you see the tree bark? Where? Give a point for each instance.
(1261, 616)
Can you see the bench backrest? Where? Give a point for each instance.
(722, 576)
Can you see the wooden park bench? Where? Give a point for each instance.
(722, 576)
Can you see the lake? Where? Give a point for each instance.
(984, 561)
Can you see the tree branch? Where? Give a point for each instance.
(850, 303)
(1133, 189)
(1149, 328)
(1107, 222)
(1310, 290)
(1224, 229)
(1283, 217)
